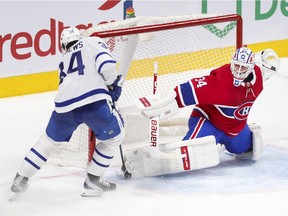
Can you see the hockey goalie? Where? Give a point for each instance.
(220, 104)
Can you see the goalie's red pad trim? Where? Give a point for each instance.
(145, 102)
(186, 159)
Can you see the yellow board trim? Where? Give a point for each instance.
(48, 81)
(279, 46)
(28, 84)
(144, 67)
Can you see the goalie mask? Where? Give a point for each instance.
(69, 35)
(242, 64)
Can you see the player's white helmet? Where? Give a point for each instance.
(242, 64)
(69, 35)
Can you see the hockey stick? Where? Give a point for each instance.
(125, 62)
(154, 121)
(153, 128)
(126, 174)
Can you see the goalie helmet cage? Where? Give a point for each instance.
(183, 46)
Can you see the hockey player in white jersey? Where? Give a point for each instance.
(88, 87)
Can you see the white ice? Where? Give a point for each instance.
(232, 188)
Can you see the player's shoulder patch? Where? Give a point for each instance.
(102, 44)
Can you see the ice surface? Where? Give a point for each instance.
(232, 188)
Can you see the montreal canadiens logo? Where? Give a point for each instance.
(241, 113)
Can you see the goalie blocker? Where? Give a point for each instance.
(162, 104)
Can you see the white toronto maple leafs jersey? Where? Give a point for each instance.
(84, 73)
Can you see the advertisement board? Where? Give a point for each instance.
(30, 30)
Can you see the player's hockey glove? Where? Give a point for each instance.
(116, 88)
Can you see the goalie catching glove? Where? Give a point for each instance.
(161, 104)
(268, 61)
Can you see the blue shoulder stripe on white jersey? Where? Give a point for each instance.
(105, 62)
(102, 53)
(81, 97)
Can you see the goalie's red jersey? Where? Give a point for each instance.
(218, 100)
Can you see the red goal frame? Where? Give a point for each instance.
(167, 26)
(181, 24)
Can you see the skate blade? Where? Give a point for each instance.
(92, 193)
(13, 196)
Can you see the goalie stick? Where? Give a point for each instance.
(153, 130)
(154, 121)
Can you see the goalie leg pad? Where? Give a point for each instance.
(136, 125)
(256, 152)
(185, 156)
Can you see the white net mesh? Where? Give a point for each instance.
(181, 53)
(75, 153)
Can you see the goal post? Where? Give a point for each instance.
(183, 47)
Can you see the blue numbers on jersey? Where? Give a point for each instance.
(62, 74)
(76, 56)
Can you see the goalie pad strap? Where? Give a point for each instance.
(256, 152)
(257, 141)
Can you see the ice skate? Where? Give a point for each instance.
(95, 186)
(20, 184)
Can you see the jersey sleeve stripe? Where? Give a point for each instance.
(179, 98)
(81, 97)
(102, 53)
(105, 62)
(187, 94)
(193, 92)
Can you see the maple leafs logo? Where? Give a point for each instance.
(109, 4)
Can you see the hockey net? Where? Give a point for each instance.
(183, 47)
